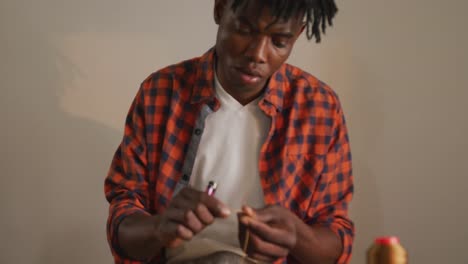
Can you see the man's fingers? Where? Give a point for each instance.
(186, 218)
(268, 233)
(260, 249)
(179, 230)
(260, 244)
(190, 212)
(266, 215)
(175, 214)
(193, 222)
(203, 214)
(248, 210)
(214, 206)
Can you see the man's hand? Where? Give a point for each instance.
(267, 234)
(189, 212)
(143, 236)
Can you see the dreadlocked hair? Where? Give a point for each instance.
(317, 13)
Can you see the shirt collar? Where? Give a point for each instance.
(204, 89)
(274, 92)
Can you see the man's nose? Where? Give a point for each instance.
(257, 49)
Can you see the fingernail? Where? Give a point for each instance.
(244, 221)
(225, 211)
(249, 211)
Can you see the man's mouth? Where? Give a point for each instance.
(249, 76)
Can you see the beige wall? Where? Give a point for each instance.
(69, 70)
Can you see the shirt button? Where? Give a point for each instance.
(198, 131)
(185, 177)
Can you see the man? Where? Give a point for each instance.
(271, 135)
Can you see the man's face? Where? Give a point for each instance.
(251, 45)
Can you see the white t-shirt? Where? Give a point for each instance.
(228, 154)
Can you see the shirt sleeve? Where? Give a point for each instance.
(335, 188)
(126, 186)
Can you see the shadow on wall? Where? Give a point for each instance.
(53, 206)
(55, 163)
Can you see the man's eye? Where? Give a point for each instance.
(280, 42)
(243, 30)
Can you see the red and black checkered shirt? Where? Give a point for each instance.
(304, 164)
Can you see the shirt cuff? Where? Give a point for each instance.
(116, 218)
(346, 236)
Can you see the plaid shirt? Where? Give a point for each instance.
(304, 165)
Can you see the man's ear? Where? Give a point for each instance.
(219, 10)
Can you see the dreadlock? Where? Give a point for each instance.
(316, 13)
